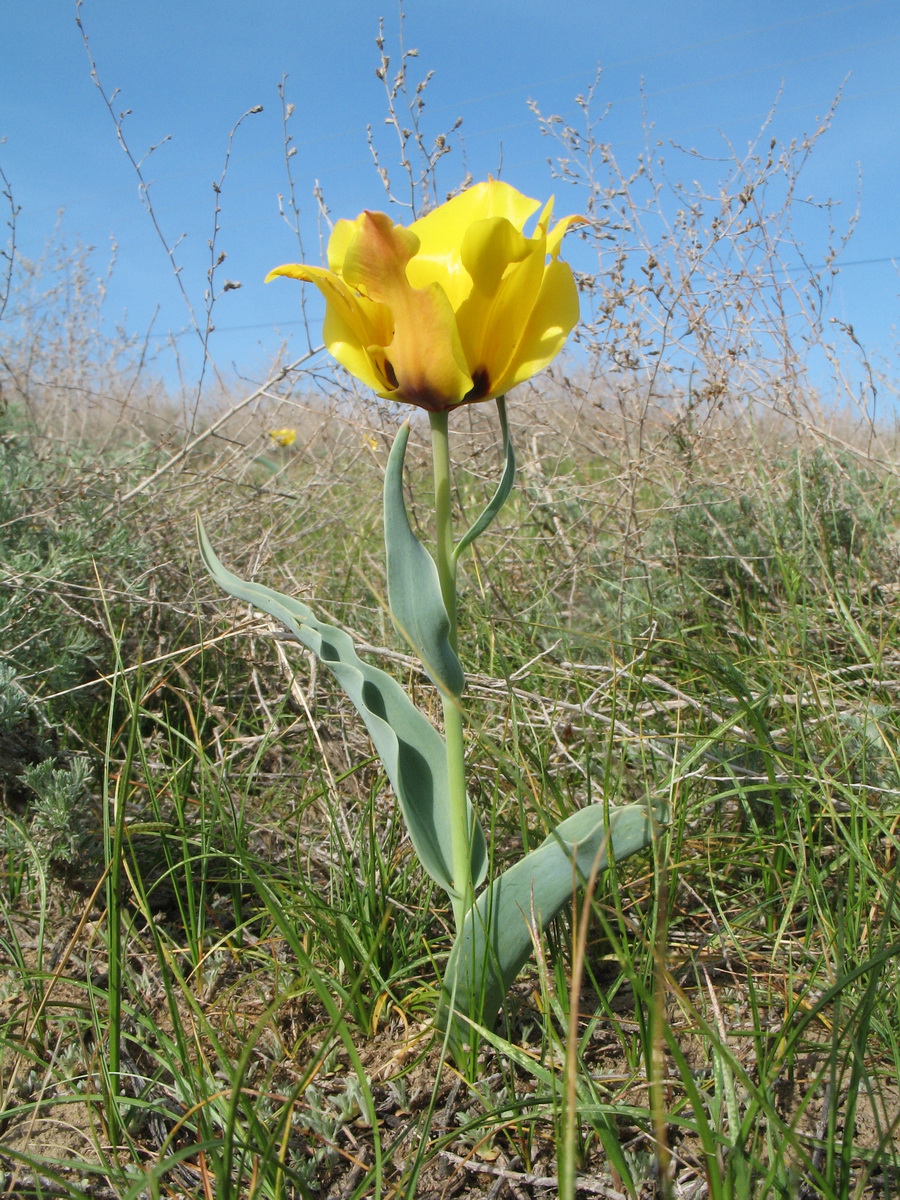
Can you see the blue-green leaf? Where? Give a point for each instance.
(414, 588)
(498, 934)
(503, 488)
(409, 746)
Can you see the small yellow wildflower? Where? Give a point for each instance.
(283, 437)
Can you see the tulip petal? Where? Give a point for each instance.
(365, 362)
(375, 258)
(554, 316)
(441, 233)
(368, 321)
(352, 323)
(445, 225)
(424, 354)
(492, 320)
(341, 236)
(488, 247)
(556, 234)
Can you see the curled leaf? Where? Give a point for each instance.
(409, 746)
(504, 487)
(498, 935)
(414, 587)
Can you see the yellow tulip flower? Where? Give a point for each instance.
(459, 306)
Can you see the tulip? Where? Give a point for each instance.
(458, 307)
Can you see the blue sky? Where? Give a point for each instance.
(187, 70)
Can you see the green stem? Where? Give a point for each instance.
(440, 449)
(453, 723)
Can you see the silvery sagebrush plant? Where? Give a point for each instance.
(455, 309)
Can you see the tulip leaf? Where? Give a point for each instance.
(504, 487)
(499, 932)
(414, 587)
(411, 749)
